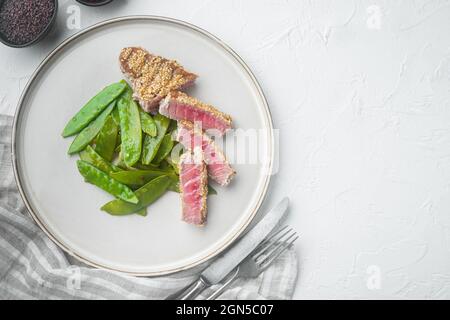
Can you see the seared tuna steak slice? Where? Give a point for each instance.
(152, 77)
(179, 106)
(217, 166)
(193, 186)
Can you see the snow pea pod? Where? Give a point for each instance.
(149, 166)
(147, 194)
(174, 165)
(115, 116)
(211, 190)
(142, 212)
(88, 134)
(119, 145)
(137, 166)
(89, 155)
(120, 164)
(130, 129)
(172, 126)
(139, 177)
(151, 144)
(105, 142)
(164, 165)
(147, 123)
(164, 149)
(93, 108)
(174, 185)
(102, 180)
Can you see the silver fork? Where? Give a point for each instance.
(260, 259)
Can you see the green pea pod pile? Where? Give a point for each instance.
(105, 143)
(147, 194)
(89, 155)
(148, 125)
(122, 148)
(88, 134)
(141, 177)
(165, 147)
(102, 180)
(130, 129)
(151, 144)
(93, 108)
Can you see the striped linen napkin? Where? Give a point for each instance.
(33, 267)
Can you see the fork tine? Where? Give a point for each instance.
(275, 232)
(272, 235)
(267, 242)
(275, 254)
(271, 241)
(277, 244)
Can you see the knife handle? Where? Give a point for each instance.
(190, 292)
(224, 286)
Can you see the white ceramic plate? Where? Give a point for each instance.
(67, 208)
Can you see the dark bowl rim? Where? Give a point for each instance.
(39, 37)
(90, 4)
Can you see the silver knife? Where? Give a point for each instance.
(227, 262)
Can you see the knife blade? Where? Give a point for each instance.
(225, 263)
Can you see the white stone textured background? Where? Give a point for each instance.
(360, 91)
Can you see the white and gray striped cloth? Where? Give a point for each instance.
(33, 267)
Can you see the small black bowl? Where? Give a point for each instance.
(39, 37)
(94, 4)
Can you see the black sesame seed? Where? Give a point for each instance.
(21, 21)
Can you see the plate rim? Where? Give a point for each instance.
(35, 216)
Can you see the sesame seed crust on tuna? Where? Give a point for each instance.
(194, 110)
(152, 77)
